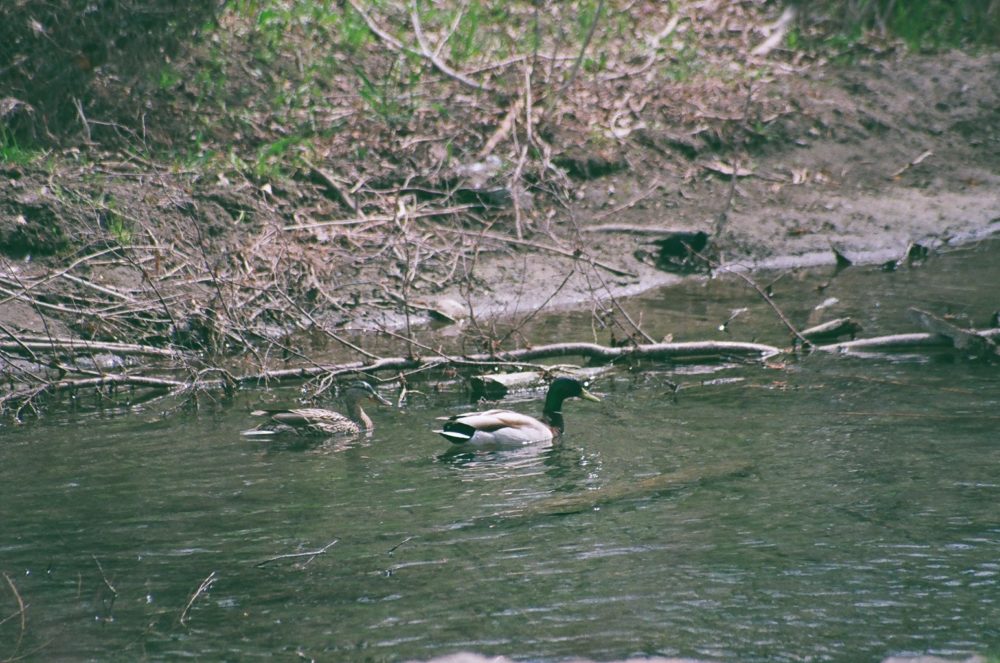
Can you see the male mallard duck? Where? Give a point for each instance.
(328, 422)
(507, 428)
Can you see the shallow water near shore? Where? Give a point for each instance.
(836, 508)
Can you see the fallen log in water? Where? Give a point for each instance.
(918, 340)
(972, 342)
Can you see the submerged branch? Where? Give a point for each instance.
(768, 300)
(630, 490)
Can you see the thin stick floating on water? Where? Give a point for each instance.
(203, 587)
(393, 549)
(310, 554)
(103, 576)
(21, 611)
(107, 583)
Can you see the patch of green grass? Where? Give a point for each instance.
(353, 31)
(211, 79)
(594, 65)
(585, 16)
(276, 159)
(793, 39)
(119, 227)
(11, 151)
(685, 62)
(937, 24)
(923, 24)
(467, 42)
(392, 96)
(169, 77)
(110, 217)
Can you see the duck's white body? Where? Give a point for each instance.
(506, 428)
(497, 428)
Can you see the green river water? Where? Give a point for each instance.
(833, 509)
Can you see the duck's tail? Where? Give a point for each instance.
(457, 432)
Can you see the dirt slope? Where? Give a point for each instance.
(893, 149)
(900, 150)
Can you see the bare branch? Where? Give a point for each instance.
(429, 53)
(425, 50)
(583, 47)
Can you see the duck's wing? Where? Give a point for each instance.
(463, 415)
(495, 419)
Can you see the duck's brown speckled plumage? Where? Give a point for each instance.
(328, 422)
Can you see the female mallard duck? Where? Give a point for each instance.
(328, 422)
(507, 428)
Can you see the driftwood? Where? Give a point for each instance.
(685, 351)
(110, 380)
(491, 385)
(311, 554)
(917, 340)
(18, 399)
(966, 340)
(628, 228)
